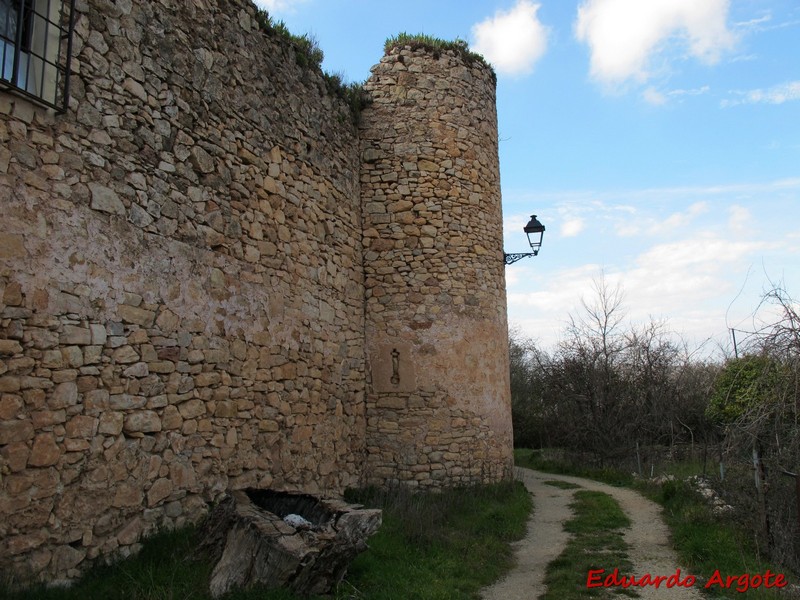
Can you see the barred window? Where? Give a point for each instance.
(35, 49)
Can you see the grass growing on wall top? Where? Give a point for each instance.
(309, 55)
(435, 45)
(306, 49)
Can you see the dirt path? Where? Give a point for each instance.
(647, 537)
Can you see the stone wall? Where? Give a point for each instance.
(438, 403)
(181, 283)
(211, 279)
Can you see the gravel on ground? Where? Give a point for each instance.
(647, 537)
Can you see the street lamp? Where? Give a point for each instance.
(535, 232)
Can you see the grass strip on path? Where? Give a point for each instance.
(597, 529)
(706, 543)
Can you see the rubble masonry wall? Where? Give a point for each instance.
(438, 407)
(211, 279)
(181, 283)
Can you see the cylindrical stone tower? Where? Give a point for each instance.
(439, 406)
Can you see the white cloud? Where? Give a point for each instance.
(739, 219)
(514, 40)
(687, 281)
(634, 225)
(686, 254)
(652, 96)
(681, 219)
(572, 227)
(778, 94)
(278, 6)
(756, 24)
(624, 35)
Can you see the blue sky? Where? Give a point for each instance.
(657, 140)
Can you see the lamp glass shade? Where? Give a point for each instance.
(535, 232)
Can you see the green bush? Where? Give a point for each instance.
(744, 384)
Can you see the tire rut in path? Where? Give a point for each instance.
(647, 538)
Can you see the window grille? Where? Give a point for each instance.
(36, 48)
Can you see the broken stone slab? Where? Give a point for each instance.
(250, 538)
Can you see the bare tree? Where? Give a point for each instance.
(609, 386)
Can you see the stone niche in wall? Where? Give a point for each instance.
(393, 368)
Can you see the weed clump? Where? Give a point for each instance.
(309, 55)
(436, 46)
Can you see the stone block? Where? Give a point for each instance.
(226, 410)
(127, 494)
(10, 347)
(52, 359)
(64, 395)
(125, 355)
(10, 383)
(146, 421)
(192, 409)
(98, 334)
(96, 401)
(111, 423)
(45, 451)
(15, 455)
(168, 321)
(73, 335)
(182, 475)
(161, 366)
(171, 418)
(25, 543)
(15, 431)
(106, 200)
(137, 370)
(391, 402)
(160, 490)
(72, 356)
(201, 160)
(10, 406)
(136, 315)
(43, 339)
(81, 426)
(48, 418)
(92, 355)
(207, 379)
(11, 246)
(131, 532)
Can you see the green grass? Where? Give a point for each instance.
(564, 485)
(597, 543)
(537, 459)
(707, 542)
(431, 545)
(439, 546)
(164, 569)
(308, 55)
(435, 45)
(704, 542)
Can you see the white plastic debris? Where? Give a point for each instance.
(296, 521)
